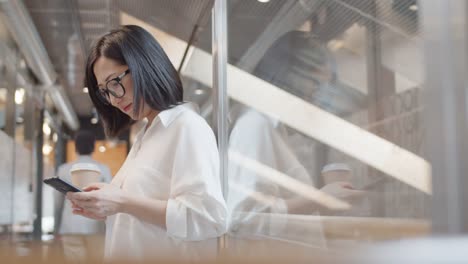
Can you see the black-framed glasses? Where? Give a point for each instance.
(114, 87)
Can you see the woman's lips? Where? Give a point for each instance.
(127, 108)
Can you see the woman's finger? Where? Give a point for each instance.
(75, 206)
(81, 196)
(85, 213)
(87, 204)
(89, 215)
(346, 185)
(93, 187)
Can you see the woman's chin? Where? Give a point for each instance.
(131, 116)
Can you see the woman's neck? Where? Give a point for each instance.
(151, 118)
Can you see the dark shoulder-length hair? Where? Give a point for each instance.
(155, 80)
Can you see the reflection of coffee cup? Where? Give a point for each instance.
(84, 174)
(335, 172)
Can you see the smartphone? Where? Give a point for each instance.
(61, 185)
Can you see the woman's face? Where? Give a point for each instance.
(106, 69)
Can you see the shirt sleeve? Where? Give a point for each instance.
(196, 209)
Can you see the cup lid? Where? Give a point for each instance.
(85, 166)
(336, 167)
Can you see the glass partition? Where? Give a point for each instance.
(326, 139)
(16, 211)
(327, 143)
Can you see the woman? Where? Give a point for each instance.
(168, 189)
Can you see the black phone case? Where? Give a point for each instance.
(61, 185)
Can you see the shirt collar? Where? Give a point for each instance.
(169, 115)
(84, 157)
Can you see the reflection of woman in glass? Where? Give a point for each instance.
(168, 190)
(299, 64)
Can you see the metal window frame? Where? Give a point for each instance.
(220, 96)
(38, 158)
(445, 112)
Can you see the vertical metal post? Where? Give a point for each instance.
(10, 113)
(380, 81)
(10, 128)
(220, 97)
(60, 158)
(380, 84)
(39, 171)
(444, 32)
(60, 146)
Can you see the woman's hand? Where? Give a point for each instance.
(97, 201)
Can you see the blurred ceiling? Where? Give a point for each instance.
(69, 27)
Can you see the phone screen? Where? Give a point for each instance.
(61, 185)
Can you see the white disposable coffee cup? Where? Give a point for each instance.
(84, 174)
(336, 172)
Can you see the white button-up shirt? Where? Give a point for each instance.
(176, 160)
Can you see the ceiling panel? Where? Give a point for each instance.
(69, 27)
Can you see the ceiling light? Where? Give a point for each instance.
(22, 64)
(413, 8)
(47, 149)
(112, 143)
(94, 120)
(3, 94)
(102, 149)
(55, 137)
(19, 96)
(46, 129)
(85, 90)
(199, 91)
(263, 1)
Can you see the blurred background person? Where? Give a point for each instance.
(65, 222)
